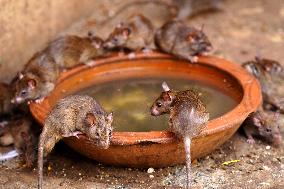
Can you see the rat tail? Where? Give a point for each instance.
(40, 162)
(187, 142)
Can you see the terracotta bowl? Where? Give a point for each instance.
(157, 148)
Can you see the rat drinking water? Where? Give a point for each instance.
(264, 124)
(136, 34)
(73, 115)
(38, 78)
(188, 117)
(183, 41)
(20, 132)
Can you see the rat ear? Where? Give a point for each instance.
(126, 32)
(165, 87)
(201, 28)
(276, 115)
(191, 37)
(257, 121)
(109, 117)
(32, 83)
(90, 119)
(20, 75)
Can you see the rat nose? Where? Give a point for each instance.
(277, 140)
(209, 48)
(154, 112)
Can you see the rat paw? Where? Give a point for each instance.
(39, 100)
(147, 50)
(75, 134)
(193, 59)
(131, 55)
(250, 141)
(90, 63)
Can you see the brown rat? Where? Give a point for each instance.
(270, 66)
(272, 99)
(264, 124)
(136, 34)
(39, 75)
(20, 132)
(188, 116)
(183, 41)
(72, 115)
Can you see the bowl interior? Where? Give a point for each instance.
(232, 80)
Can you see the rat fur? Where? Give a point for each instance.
(263, 124)
(188, 117)
(70, 116)
(39, 75)
(20, 132)
(183, 41)
(136, 34)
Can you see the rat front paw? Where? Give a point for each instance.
(193, 59)
(250, 141)
(39, 100)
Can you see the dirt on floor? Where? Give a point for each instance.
(239, 32)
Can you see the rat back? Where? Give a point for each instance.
(142, 31)
(165, 36)
(69, 51)
(188, 114)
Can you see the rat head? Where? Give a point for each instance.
(97, 42)
(253, 68)
(99, 128)
(268, 127)
(198, 42)
(163, 102)
(270, 66)
(118, 37)
(26, 88)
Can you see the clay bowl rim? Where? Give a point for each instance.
(250, 101)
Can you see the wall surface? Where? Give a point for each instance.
(27, 25)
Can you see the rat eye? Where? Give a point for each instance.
(268, 130)
(23, 93)
(159, 104)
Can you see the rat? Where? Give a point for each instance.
(188, 117)
(271, 96)
(38, 78)
(183, 41)
(5, 99)
(136, 34)
(20, 132)
(264, 124)
(179, 9)
(71, 116)
(270, 66)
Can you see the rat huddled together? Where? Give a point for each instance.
(77, 114)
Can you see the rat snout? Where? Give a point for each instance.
(154, 111)
(277, 139)
(209, 48)
(17, 100)
(108, 44)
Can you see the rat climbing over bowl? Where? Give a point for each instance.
(71, 116)
(188, 117)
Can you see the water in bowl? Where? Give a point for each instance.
(130, 101)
